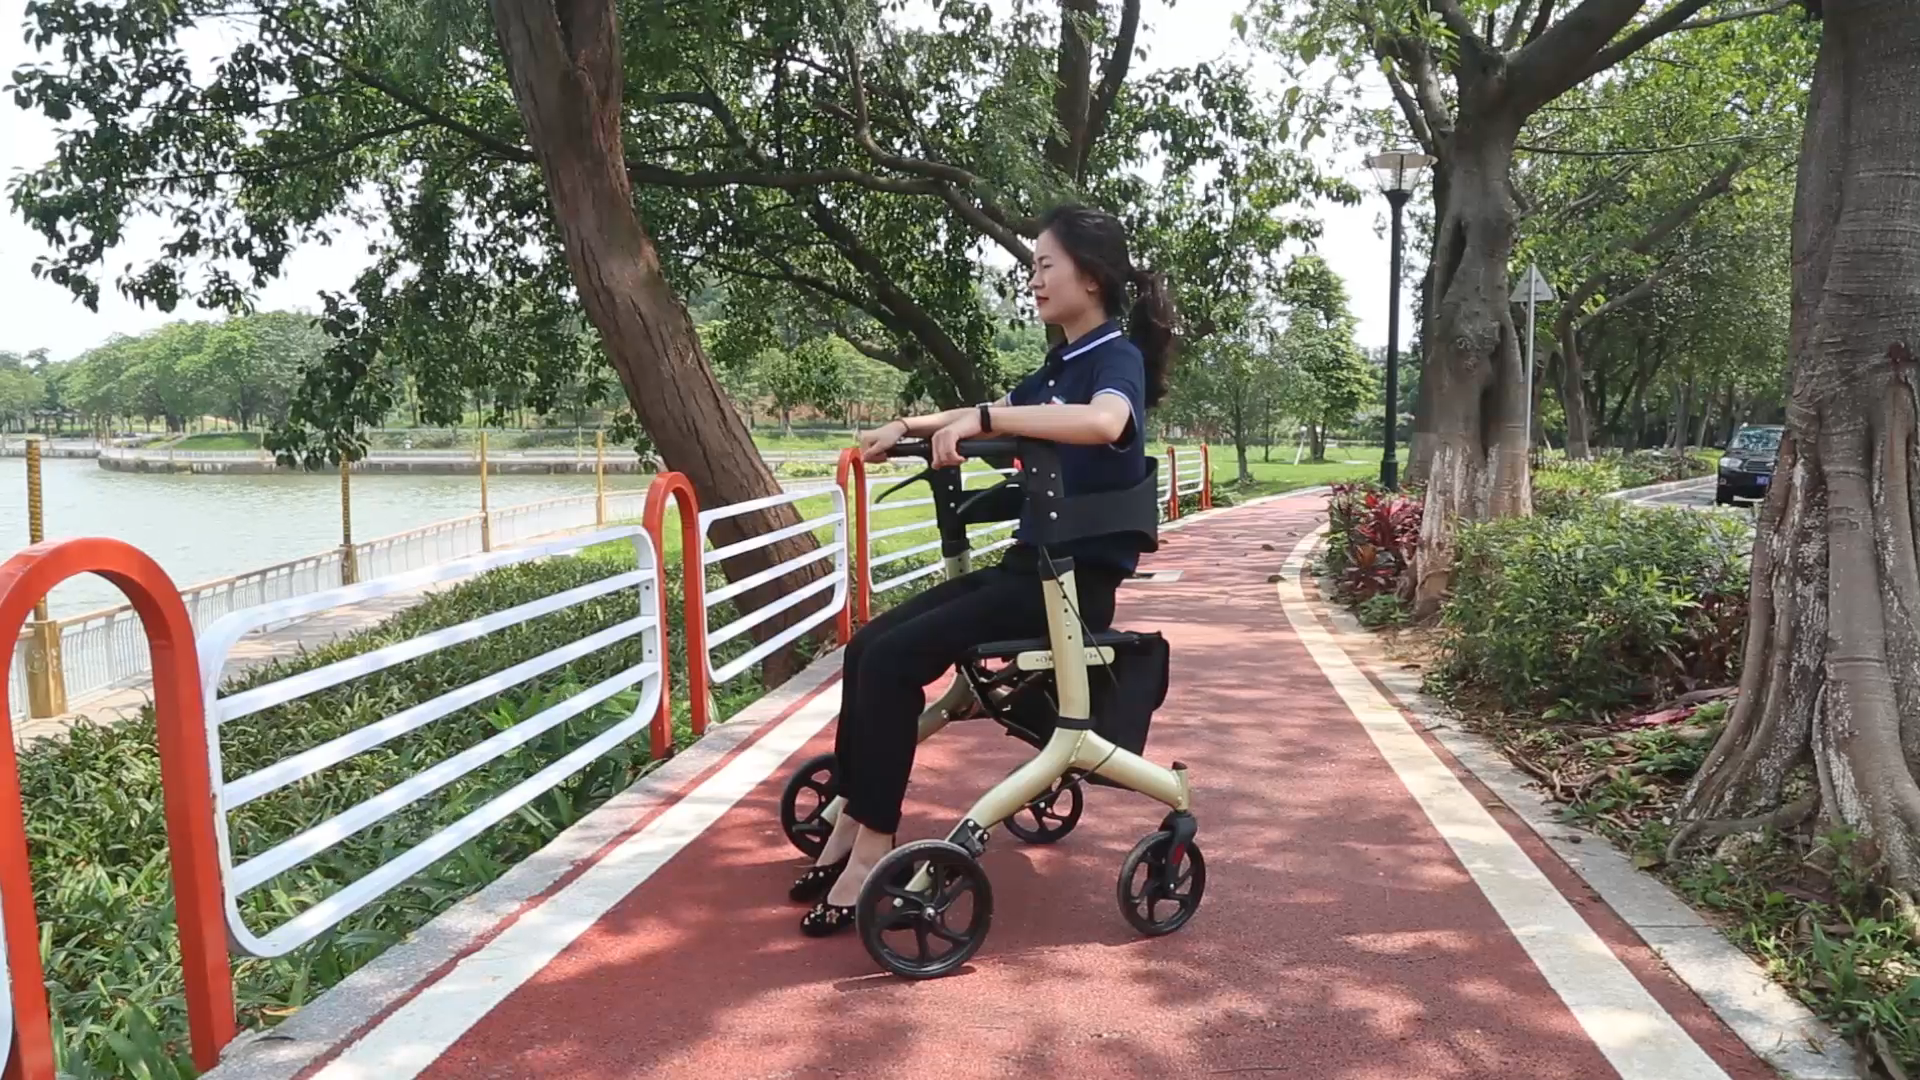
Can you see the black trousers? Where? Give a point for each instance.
(890, 661)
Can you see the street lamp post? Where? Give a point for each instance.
(1397, 171)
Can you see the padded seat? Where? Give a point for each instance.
(1007, 650)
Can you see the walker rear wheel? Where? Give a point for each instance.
(803, 806)
(925, 909)
(1051, 816)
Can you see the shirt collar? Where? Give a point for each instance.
(1097, 336)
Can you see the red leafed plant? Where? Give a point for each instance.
(1381, 541)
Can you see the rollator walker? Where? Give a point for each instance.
(926, 908)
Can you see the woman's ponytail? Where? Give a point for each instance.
(1150, 327)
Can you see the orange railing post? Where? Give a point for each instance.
(1173, 486)
(186, 784)
(858, 609)
(694, 609)
(1206, 477)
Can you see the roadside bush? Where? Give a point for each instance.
(1601, 608)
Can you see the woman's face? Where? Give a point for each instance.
(1063, 294)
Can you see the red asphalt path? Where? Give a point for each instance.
(1340, 936)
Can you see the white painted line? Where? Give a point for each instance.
(416, 1034)
(1637, 1036)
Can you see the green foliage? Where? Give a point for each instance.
(23, 388)
(1327, 377)
(848, 162)
(1562, 486)
(1603, 607)
(1385, 609)
(243, 369)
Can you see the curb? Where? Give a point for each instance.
(1654, 491)
(1758, 1010)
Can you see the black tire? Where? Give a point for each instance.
(1722, 497)
(802, 805)
(1042, 821)
(1141, 892)
(888, 906)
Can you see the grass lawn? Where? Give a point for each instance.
(1343, 465)
(224, 440)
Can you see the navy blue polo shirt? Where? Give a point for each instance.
(1100, 362)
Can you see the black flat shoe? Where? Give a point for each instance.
(826, 919)
(813, 884)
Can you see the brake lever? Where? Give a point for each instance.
(923, 474)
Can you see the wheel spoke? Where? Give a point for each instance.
(946, 933)
(920, 935)
(901, 892)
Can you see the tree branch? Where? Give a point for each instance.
(1574, 48)
(1648, 151)
(973, 215)
(1657, 27)
(1112, 74)
(1541, 21)
(1632, 296)
(1072, 91)
(1471, 43)
(1410, 109)
(1733, 16)
(302, 161)
(1511, 39)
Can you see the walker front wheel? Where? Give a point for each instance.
(1159, 890)
(803, 806)
(925, 909)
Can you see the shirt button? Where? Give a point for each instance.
(1049, 382)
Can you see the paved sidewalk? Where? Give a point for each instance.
(1366, 917)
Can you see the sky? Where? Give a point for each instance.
(38, 314)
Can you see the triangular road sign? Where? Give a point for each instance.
(1533, 286)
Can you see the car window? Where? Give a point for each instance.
(1756, 439)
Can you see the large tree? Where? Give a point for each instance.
(1828, 719)
(1466, 77)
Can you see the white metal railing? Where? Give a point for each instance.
(417, 548)
(1193, 480)
(219, 640)
(836, 582)
(107, 648)
(874, 561)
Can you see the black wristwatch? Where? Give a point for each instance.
(986, 419)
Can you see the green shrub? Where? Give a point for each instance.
(1606, 606)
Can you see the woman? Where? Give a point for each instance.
(1091, 398)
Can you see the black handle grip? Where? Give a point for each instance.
(1003, 446)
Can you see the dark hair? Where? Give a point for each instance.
(1097, 243)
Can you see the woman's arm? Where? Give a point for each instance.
(1098, 423)
(1102, 421)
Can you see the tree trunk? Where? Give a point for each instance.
(564, 61)
(1573, 392)
(1317, 442)
(1420, 445)
(1478, 466)
(1830, 690)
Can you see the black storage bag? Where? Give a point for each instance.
(1124, 695)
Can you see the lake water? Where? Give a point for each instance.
(204, 527)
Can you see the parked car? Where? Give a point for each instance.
(1747, 468)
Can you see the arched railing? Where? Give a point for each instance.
(187, 793)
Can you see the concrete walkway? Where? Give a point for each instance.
(1372, 913)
